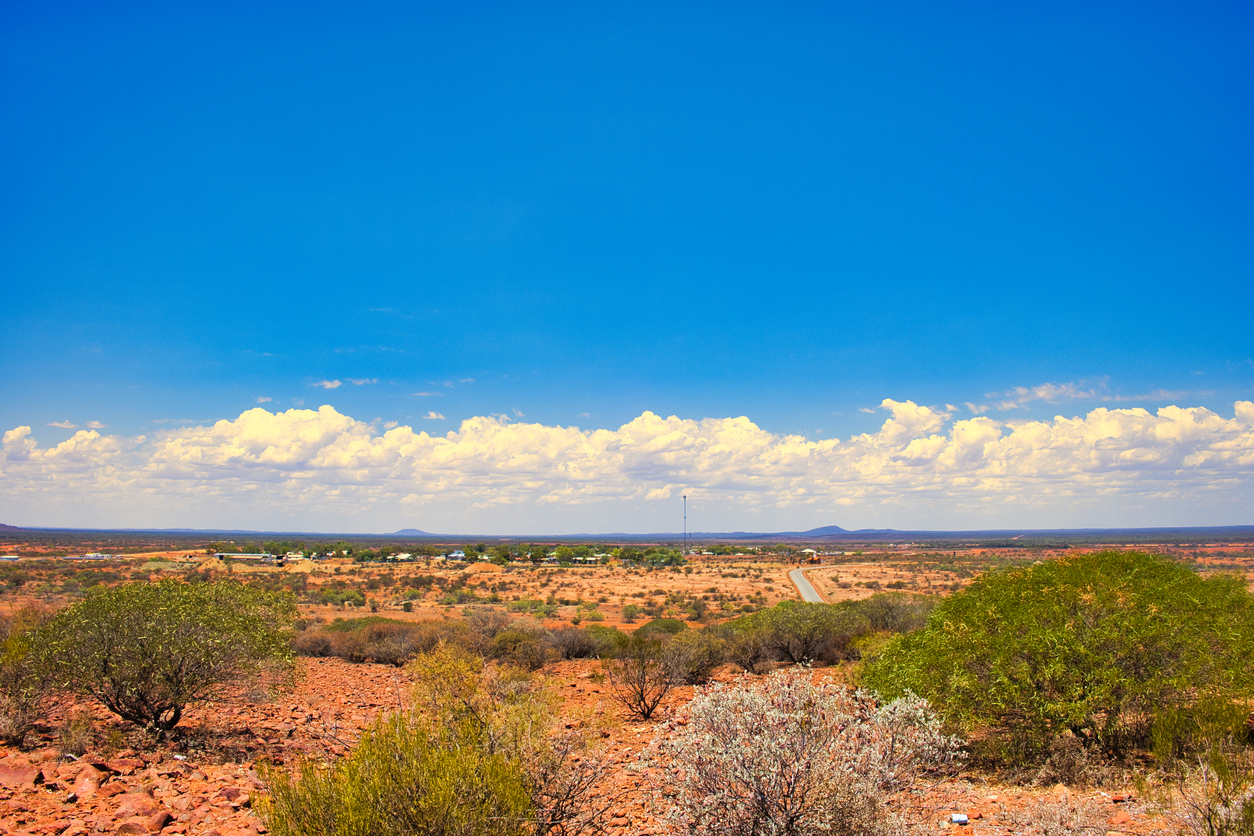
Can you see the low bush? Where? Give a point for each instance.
(797, 632)
(523, 648)
(746, 645)
(24, 676)
(693, 654)
(339, 597)
(790, 757)
(608, 641)
(896, 612)
(573, 643)
(480, 755)
(382, 640)
(400, 780)
(664, 626)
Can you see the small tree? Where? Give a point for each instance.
(640, 677)
(1108, 646)
(146, 650)
(791, 757)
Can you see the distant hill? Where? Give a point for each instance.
(4, 527)
(412, 532)
(825, 531)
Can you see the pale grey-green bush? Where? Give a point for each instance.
(791, 757)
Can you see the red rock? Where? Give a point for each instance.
(88, 781)
(20, 776)
(136, 804)
(125, 766)
(132, 827)
(1121, 817)
(158, 820)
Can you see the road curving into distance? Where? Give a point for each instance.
(807, 590)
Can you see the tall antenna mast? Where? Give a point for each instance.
(685, 523)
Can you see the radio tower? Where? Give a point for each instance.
(685, 524)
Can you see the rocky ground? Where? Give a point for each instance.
(207, 779)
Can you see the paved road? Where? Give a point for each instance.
(808, 592)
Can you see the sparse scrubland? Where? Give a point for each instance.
(1105, 669)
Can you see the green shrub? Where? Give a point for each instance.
(397, 781)
(382, 640)
(539, 609)
(146, 650)
(746, 644)
(799, 632)
(693, 654)
(503, 710)
(1098, 645)
(24, 676)
(607, 641)
(572, 643)
(667, 626)
(519, 647)
(896, 612)
(340, 597)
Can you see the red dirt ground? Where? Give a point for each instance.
(207, 781)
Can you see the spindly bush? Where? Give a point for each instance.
(791, 757)
(641, 676)
(1099, 645)
(146, 650)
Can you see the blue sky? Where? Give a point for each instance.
(571, 216)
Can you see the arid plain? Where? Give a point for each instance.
(83, 771)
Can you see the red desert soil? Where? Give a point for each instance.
(207, 781)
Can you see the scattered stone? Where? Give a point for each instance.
(20, 777)
(125, 766)
(88, 781)
(136, 804)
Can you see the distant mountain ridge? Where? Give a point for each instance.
(827, 533)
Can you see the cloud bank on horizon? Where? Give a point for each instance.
(321, 470)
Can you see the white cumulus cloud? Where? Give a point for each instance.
(920, 465)
(329, 384)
